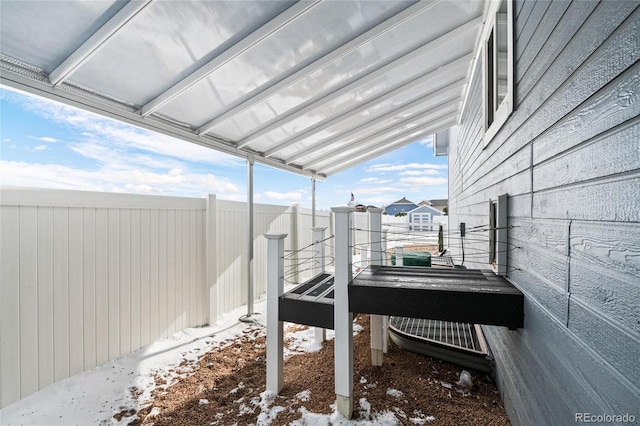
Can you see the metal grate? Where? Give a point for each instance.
(441, 261)
(461, 336)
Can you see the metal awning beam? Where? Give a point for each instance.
(387, 147)
(459, 64)
(97, 41)
(269, 90)
(447, 91)
(41, 88)
(422, 119)
(381, 70)
(243, 45)
(431, 117)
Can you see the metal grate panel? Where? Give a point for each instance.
(461, 336)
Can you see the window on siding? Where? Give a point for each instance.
(497, 67)
(498, 234)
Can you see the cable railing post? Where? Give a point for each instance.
(275, 289)
(377, 329)
(343, 318)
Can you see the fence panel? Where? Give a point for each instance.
(90, 277)
(82, 276)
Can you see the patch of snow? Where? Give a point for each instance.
(394, 392)
(304, 395)
(267, 411)
(237, 388)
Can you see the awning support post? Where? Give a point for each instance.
(343, 318)
(275, 289)
(313, 202)
(318, 267)
(377, 321)
(250, 161)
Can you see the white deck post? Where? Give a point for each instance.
(343, 319)
(377, 321)
(318, 267)
(400, 255)
(385, 319)
(275, 289)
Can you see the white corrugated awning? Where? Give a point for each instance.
(313, 87)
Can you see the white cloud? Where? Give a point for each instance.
(47, 139)
(134, 180)
(423, 181)
(377, 190)
(428, 141)
(420, 172)
(375, 180)
(290, 196)
(385, 167)
(36, 148)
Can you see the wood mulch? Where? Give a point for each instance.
(225, 388)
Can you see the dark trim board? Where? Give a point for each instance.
(462, 295)
(310, 303)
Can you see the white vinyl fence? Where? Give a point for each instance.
(89, 277)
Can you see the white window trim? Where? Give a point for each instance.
(498, 240)
(506, 107)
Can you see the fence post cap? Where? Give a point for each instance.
(374, 209)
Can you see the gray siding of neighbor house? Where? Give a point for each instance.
(569, 159)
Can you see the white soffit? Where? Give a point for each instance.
(313, 87)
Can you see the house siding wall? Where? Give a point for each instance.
(569, 159)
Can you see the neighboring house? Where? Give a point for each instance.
(401, 206)
(439, 204)
(562, 144)
(421, 218)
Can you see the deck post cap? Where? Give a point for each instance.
(275, 236)
(343, 209)
(374, 209)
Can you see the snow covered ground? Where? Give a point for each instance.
(95, 396)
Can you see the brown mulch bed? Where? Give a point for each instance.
(226, 387)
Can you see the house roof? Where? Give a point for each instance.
(312, 86)
(403, 200)
(424, 207)
(439, 203)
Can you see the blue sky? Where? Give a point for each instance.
(50, 145)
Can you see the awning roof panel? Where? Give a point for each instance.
(168, 41)
(71, 23)
(325, 27)
(312, 86)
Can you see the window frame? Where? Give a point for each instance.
(494, 117)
